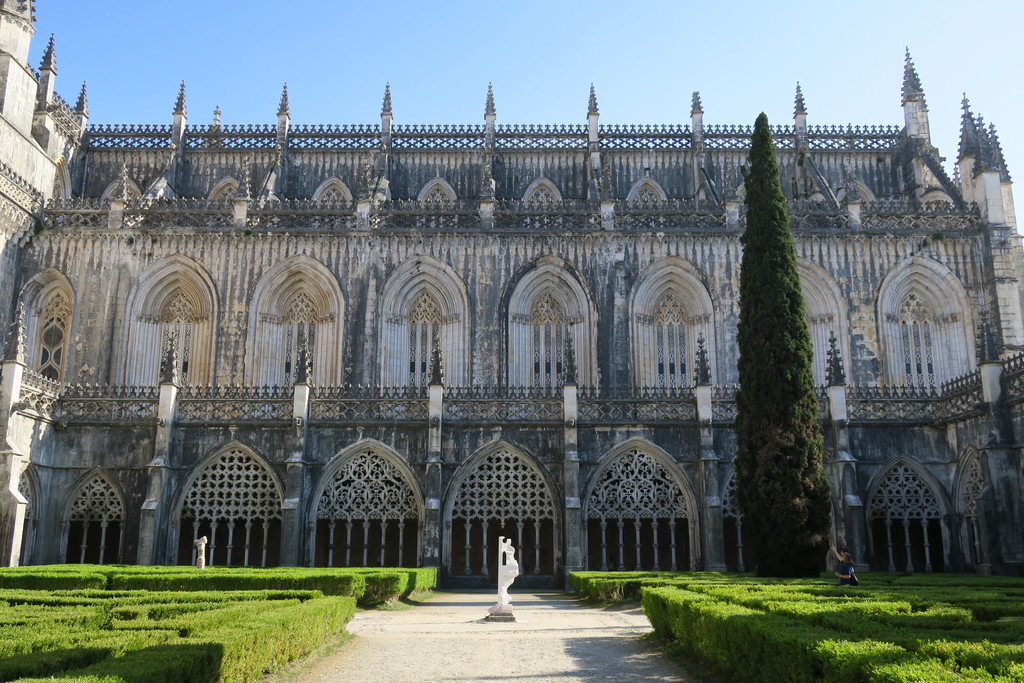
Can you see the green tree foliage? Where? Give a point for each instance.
(781, 486)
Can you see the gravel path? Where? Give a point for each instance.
(555, 638)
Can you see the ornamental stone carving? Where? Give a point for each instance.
(366, 487)
(97, 501)
(233, 486)
(503, 486)
(902, 494)
(636, 486)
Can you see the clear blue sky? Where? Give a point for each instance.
(644, 57)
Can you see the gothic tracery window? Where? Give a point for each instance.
(225, 192)
(636, 494)
(733, 517)
(549, 328)
(502, 495)
(670, 342)
(916, 332)
(299, 331)
(177, 329)
(52, 343)
(903, 498)
(970, 491)
(363, 515)
(333, 194)
(94, 524)
(541, 194)
(438, 193)
(646, 194)
(424, 324)
(236, 504)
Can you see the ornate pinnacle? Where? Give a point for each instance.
(996, 151)
(849, 182)
(15, 348)
(835, 375)
(989, 348)
(436, 361)
(216, 116)
(968, 131)
(124, 182)
(800, 106)
(489, 105)
(49, 62)
(703, 366)
(912, 89)
(695, 105)
(282, 108)
(592, 105)
(303, 362)
(243, 184)
(169, 363)
(385, 107)
(82, 105)
(570, 361)
(179, 104)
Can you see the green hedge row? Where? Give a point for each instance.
(890, 629)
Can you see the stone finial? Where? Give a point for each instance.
(988, 346)
(996, 153)
(49, 62)
(282, 108)
(489, 104)
(488, 188)
(385, 107)
(850, 183)
(799, 107)
(607, 185)
(703, 366)
(169, 363)
(730, 182)
(569, 360)
(14, 350)
(696, 107)
(124, 183)
(436, 361)
(243, 183)
(968, 131)
(912, 89)
(82, 104)
(835, 375)
(216, 116)
(303, 362)
(179, 104)
(592, 104)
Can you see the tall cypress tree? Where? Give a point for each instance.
(781, 486)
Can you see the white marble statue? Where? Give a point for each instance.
(200, 544)
(508, 570)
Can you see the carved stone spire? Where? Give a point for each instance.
(489, 104)
(179, 104)
(49, 61)
(849, 182)
(696, 107)
(570, 361)
(703, 366)
(912, 90)
(988, 345)
(385, 107)
(799, 107)
(592, 104)
(303, 362)
(124, 183)
(14, 350)
(436, 361)
(82, 104)
(216, 116)
(243, 182)
(968, 131)
(282, 108)
(835, 375)
(997, 161)
(169, 363)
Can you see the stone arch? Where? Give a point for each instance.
(969, 490)
(865, 192)
(549, 302)
(647, 189)
(224, 190)
(61, 180)
(825, 309)
(93, 521)
(501, 491)
(29, 490)
(905, 492)
(173, 302)
(333, 189)
(936, 195)
(372, 492)
(638, 488)
(298, 301)
(48, 305)
(437, 190)
(407, 338)
(732, 524)
(926, 324)
(542, 190)
(670, 309)
(114, 190)
(231, 495)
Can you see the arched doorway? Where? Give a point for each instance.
(637, 517)
(501, 495)
(236, 503)
(906, 522)
(367, 516)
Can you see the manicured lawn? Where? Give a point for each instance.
(889, 629)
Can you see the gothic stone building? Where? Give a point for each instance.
(352, 345)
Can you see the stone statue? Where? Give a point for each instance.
(200, 544)
(508, 570)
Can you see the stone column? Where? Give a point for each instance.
(154, 516)
(431, 545)
(294, 542)
(850, 523)
(712, 525)
(573, 510)
(13, 506)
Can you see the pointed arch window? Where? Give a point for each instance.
(903, 499)
(541, 194)
(53, 336)
(177, 329)
(299, 332)
(438, 193)
(332, 194)
(670, 341)
(424, 325)
(225, 191)
(94, 524)
(549, 334)
(916, 340)
(971, 487)
(645, 194)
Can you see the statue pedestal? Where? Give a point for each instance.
(500, 613)
(508, 570)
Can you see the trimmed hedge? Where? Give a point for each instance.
(884, 631)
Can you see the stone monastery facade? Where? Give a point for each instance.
(389, 344)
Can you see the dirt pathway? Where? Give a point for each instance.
(555, 638)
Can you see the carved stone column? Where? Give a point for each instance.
(153, 517)
(573, 510)
(431, 546)
(293, 541)
(712, 524)
(13, 506)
